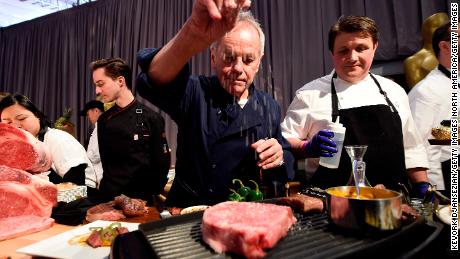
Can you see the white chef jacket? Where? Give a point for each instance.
(67, 152)
(311, 110)
(93, 154)
(429, 103)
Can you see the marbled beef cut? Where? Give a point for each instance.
(245, 228)
(26, 202)
(20, 150)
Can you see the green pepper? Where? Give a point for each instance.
(234, 196)
(255, 195)
(243, 190)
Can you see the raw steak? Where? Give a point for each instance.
(303, 203)
(22, 193)
(23, 225)
(26, 202)
(19, 149)
(104, 211)
(245, 228)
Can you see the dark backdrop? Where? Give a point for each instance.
(47, 58)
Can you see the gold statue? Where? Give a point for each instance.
(417, 66)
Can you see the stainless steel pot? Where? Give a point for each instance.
(382, 211)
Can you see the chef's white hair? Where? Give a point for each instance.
(247, 17)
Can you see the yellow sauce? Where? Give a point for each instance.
(352, 194)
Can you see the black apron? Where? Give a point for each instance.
(445, 166)
(379, 127)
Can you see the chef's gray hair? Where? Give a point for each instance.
(247, 17)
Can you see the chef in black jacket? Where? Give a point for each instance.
(134, 152)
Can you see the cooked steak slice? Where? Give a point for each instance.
(94, 239)
(131, 207)
(303, 203)
(245, 228)
(104, 211)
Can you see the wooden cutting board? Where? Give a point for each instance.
(152, 215)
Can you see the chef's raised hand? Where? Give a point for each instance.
(321, 145)
(211, 19)
(270, 153)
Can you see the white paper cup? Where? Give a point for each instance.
(339, 137)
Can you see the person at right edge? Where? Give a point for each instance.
(374, 110)
(429, 105)
(227, 128)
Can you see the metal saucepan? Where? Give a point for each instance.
(377, 209)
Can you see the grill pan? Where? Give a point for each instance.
(311, 237)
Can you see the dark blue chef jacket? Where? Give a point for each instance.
(214, 134)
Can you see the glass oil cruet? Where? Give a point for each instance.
(358, 173)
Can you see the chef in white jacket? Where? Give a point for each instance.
(429, 103)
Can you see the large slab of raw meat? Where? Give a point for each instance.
(26, 202)
(245, 228)
(19, 149)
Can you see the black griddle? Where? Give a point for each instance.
(311, 237)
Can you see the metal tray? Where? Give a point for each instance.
(311, 237)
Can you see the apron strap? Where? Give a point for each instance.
(444, 70)
(335, 99)
(392, 107)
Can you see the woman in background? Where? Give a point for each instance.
(70, 163)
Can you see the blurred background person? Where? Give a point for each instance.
(429, 103)
(93, 109)
(70, 163)
(417, 66)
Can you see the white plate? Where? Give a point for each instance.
(193, 209)
(444, 214)
(58, 246)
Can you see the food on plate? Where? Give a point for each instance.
(443, 131)
(104, 211)
(193, 209)
(245, 228)
(303, 203)
(121, 207)
(26, 202)
(20, 150)
(99, 236)
(245, 193)
(131, 207)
